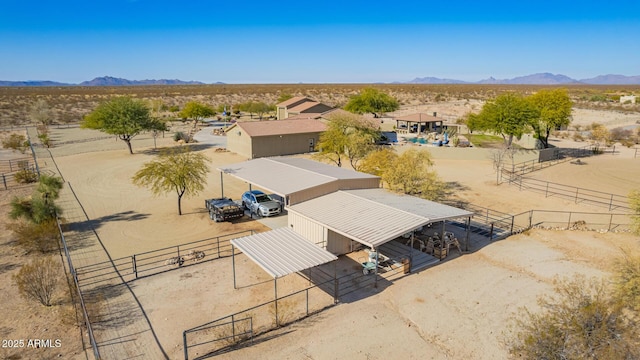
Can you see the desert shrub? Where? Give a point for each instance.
(42, 237)
(45, 140)
(179, 135)
(25, 176)
(577, 137)
(634, 204)
(38, 280)
(626, 281)
(16, 142)
(174, 108)
(579, 322)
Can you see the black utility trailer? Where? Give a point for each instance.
(223, 209)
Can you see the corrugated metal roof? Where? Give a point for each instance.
(288, 175)
(366, 221)
(282, 252)
(282, 127)
(428, 209)
(374, 216)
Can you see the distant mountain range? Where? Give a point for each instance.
(538, 79)
(534, 79)
(103, 81)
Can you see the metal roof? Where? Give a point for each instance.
(282, 127)
(282, 252)
(374, 216)
(288, 175)
(428, 209)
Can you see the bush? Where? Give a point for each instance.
(16, 142)
(25, 176)
(38, 280)
(579, 322)
(43, 237)
(626, 281)
(179, 135)
(45, 140)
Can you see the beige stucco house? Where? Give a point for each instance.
(256, 139)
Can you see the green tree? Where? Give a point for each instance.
(41, 113)
(121, 116)
(553, 109)
(40, 206)
(196, 111)
(579, 322)
(373, 101)
(411, 174)
(178, 170)
(509, 115)
(349, 136)
(634, 203)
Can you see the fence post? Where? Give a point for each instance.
(491, 232)
(335, 290)
(611, 202)
(530, 218)
(4, 181)
(184, 345)
(610, 222)
(569, 222)
(135, 267)
(512, 221)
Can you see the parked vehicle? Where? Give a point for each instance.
(223, 209)
(260, 203)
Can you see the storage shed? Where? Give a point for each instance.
(255, 139)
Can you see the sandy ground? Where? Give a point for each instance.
(458, 309)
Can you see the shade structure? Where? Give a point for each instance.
(282, 252)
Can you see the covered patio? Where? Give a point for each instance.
(420, 123)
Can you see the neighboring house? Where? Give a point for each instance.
(629, 98)
(299, 105)
(256, 139)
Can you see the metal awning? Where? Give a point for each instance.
(282, 252)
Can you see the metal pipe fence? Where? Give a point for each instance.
(81, 301)
(8, 180)
(576, 194)
(157, 261)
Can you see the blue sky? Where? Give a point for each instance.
(315, 42)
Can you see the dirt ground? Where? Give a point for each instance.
(458, 309)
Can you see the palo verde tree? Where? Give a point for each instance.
(121, 116)
(553, 110)
(411, 173)
(349, 136)
(177, 169)
(509, 115)
(373, 101)
(196, 111)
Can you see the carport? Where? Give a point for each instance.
(280, 252)
(297, 179)
(371, 217)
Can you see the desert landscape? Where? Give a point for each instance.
(461, 308)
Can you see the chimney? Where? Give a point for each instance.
(435, 114)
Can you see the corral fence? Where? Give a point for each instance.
(576, 194)
(72, 271)
(157, 261)
(8, 180)
(240, 328)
